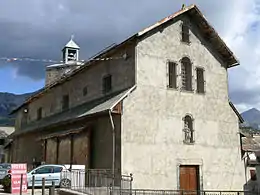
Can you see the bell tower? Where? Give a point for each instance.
(70, 52)
(70, 61)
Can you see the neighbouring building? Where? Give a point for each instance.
(251, 157)
(157, 107)
(5, 131)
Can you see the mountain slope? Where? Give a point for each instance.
(9, 101)
(252, 118)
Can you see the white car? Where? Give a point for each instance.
(50, 172)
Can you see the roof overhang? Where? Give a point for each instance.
(208, 32)
(241, 120)
(100, 108)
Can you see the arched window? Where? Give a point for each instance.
(186, 74)
(188, 129)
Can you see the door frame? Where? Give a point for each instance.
(190, 162)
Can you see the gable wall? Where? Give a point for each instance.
(152, 136)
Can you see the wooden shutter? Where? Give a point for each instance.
(200, 80)
(172, 76)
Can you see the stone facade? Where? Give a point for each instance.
(154, 139)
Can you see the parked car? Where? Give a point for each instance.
(5, 169)
(50, 172)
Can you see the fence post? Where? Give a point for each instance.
(43, 186)
(21, 185)
(52, 188)
(110, 189)
(33, 182)
(131, 185)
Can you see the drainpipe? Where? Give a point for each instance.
(113, 150)
(245, 168)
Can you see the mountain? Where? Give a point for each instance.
(9, 101)
(252, 118)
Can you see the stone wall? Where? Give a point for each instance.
(152, 125)
(51, 102)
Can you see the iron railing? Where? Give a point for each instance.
(97, 181)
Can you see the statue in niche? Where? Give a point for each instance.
(187, 132)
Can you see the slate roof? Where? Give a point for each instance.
(101, 105)
(251, 144)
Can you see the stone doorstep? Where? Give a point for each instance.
(69, 192)
(85, 191)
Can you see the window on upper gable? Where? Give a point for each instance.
(200, 80)
(39, 113)
(186, 74)
(65, 102)
(185, 32)
(107, 83)
(172, 75)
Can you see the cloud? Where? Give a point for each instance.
(42, 31)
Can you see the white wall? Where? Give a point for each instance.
(152, 137)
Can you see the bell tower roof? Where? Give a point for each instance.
(70, 52)
(71, 44)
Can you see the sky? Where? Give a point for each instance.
(39, 29)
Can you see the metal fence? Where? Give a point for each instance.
(98, 181)
(103, 182)
(178, 192)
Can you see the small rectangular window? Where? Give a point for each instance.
(65, 102)
(185, 33)
(2, 142)
(200, 80)
(85, 91)
(172, 75)
(39, 113)
(107, 83)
